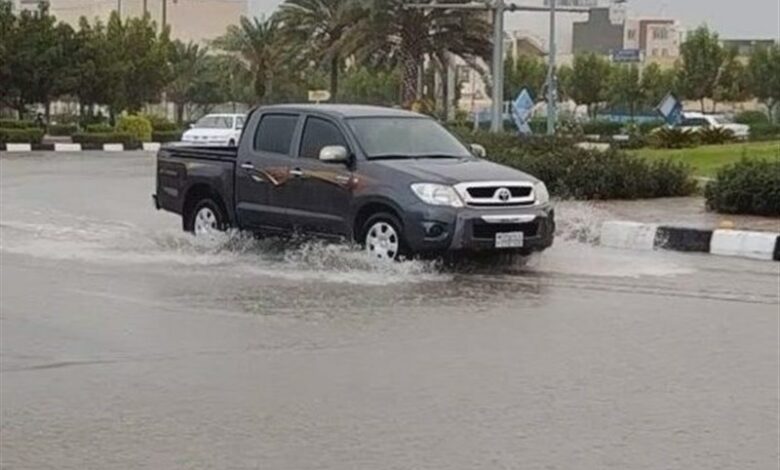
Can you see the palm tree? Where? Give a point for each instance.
(255, 41)
(317, 30)
(405, 37)
(187, 64)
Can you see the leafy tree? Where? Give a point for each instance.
(732, 84)
(524, 72)
(764, 77)
(96, 66)
(371, 86)
(564, 76)
(10, 94)
(188, 68)
(702, 57)
(589, 81)
(656, 83)
(317, 30)
(146, 61)
(399, 37)
(625, 88)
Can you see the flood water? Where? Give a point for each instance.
(128, 344)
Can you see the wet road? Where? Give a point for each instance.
(126, 344)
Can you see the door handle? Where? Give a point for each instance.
(296, 173)
(247, 166)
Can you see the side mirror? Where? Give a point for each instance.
(333, 154)
(478, 150)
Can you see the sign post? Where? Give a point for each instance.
(319, 95)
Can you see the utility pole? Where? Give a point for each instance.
(552, 79)
(498, 8)
(119, 8)
(146, 7)
(164, 13)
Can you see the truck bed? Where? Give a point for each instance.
(199, 152)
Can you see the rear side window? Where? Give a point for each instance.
(275, 133)
(318, 133)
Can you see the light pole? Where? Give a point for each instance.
(552, 92)
(497, 114)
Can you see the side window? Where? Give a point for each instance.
(275, 132)
(318, 133)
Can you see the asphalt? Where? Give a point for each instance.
(127, 344)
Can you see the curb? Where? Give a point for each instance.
(722, 242)
(68, 147)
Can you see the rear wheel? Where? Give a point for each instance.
(206, 218)
(382, 237)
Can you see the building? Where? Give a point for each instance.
(658, 39)
(520, 42)
(598, 34)
(189, 20)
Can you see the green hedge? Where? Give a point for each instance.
(21, 136)
(750, 186)
(62, 129)
(570, 172)
(99, 128)
(167, 136)
(764, 131)
(752, 117)
(606, 128)
(101, 138)
(16, 124)
(164, 126)
(138, 126)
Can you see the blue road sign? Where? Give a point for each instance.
(671, 109)
(522, 107)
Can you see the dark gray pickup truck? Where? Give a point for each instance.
(396, 182)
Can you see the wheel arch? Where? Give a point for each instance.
(370, 207)
(196, 193)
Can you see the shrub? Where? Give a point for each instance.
(99, 128)
(714, 135)
(62, 129)
(166, 136)
(21, 136)
(137, 126)
(750, 186)
(673, 138)
(764, 132)
(16, 124)
(647, 127)
(98, 139)
(585, 174)
(601, 127)
(752, 117)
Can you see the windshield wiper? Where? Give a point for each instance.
(413, 156)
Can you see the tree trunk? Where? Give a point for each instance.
(334, 76)
(409, 83)
(179, 110)
(701, 103)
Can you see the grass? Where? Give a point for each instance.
(707, 159)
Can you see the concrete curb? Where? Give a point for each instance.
(69, 147)
(18, 148)
(739, 243)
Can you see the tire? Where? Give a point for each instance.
(206, 218)
(382, 237)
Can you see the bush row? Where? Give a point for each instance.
(570, 172)
(88, 138)
(750, 186)
(16, 124)
(21, 136)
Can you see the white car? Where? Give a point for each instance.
(696, 121)
(215, 129)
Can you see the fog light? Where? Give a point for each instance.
(433, 229)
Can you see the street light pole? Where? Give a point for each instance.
(552, 81)
(497, 114)
(164, 12)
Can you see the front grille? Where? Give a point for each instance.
(487, 231)
(488, 192)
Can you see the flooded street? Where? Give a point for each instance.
(128, 344)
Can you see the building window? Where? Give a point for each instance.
(660, 33)
(655, 52)
(631, 34)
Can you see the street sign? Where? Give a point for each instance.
(627, 56)
(671, 109)
(522, 107)
(319, 95)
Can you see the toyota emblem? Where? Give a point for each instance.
(503, 194)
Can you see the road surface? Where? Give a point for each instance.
(127, 344)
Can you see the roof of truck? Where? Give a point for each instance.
(344, 110)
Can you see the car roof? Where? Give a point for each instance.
(343, 110)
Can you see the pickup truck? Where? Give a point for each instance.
(394, 181)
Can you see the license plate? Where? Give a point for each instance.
(509, 240)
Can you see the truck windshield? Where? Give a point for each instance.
(214, 122)
(394, 137)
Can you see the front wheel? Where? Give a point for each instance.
(382, 237)
(206, 218)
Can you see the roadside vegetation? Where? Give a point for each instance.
(749, 186)
(706, 160)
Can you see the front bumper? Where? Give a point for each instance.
(430, 229)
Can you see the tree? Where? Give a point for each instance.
(255, 42)
(371, 86)
(589, 81)
(10, 94)
(188, 67)
(146, 61)
(526, 72)
(702, 58)
(764, 77)
(317, 29)
(732, 84)
(625, 88)
(656, 83)
(399, 37)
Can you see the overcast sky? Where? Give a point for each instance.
(731, 18)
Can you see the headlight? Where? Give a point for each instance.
(437, 194)
(541, 194)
